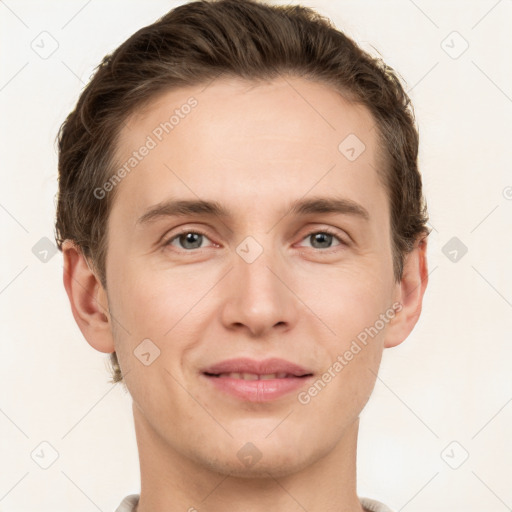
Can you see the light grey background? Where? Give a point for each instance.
(443, 394)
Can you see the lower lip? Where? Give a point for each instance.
(258, 390)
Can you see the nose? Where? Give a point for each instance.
(258, 295)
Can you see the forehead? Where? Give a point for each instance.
(235, 139)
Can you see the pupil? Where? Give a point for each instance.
(322, 238)
(189, 238)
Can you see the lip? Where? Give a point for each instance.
(257, 390)
(266, 366)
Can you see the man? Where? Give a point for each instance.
(243, 229)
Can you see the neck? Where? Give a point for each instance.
(171, 482)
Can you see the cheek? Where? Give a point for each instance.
(350, 303)
(351, 306)
(346, 299)
(151, 302)
(156, 321)
(167, 308)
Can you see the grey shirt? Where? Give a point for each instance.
(130, 502)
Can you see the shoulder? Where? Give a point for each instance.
(374, 506)
(128, 504)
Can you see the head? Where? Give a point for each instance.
(253, 110)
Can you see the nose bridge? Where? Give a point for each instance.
(257, 296)
(254, 264)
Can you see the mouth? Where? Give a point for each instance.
(257, 381)
(256, 376)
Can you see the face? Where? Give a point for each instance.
(290, 260)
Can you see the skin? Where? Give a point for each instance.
(254, 148)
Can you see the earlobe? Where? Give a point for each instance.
(88, 298)
(410, 291)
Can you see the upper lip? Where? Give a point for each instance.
(264, 367)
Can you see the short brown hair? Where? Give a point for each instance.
(197, 42)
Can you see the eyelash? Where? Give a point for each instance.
(328, 231)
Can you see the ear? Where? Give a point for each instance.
(409, 294)
(88, 298)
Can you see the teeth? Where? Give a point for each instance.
(253, 376)
(248, 376)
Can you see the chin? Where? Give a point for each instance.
(251, 462)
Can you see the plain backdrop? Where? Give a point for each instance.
(436, 434)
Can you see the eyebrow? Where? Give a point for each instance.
(300, 207)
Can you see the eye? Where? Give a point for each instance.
(187, 240)
(323, 239)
